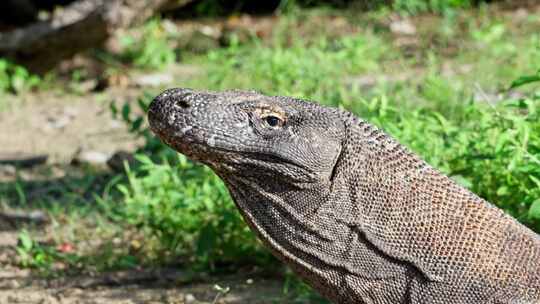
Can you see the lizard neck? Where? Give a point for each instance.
(287, 226)
(300, 229)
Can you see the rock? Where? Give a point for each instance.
(84, 86)
(153, 80)
(402, 27)
(58, 122)
(41, 45)
(13, 284)
(202, 41)
(521, 14)
(238, 35)
(8, 170)
(61, 118)
(116, 161)
(190, 299)
(95, 158)
(116, 124)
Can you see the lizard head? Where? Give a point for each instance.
(275, 154)
(247, 134)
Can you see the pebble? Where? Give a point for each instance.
(153, 80)
(190, 299)
(91, 157)
(403, 27)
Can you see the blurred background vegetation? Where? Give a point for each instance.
(457, 81)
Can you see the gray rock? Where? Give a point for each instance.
(403, 27)
(91, 158)
(153, 80)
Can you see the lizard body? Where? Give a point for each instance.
(354, 213)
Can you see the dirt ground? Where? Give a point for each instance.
(149, 286)
(132, 287)
(62, 122)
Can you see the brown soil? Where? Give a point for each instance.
(19, 287)
(59, 126)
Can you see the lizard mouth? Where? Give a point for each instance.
(193, 142)
(189, 140)
(186, 140)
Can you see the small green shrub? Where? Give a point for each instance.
(151, 49)
(188, 210)
(299, 70)
(31, 253)
(437, 6)
(526, 79)
(15, 78)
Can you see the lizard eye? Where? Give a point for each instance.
(273, 121)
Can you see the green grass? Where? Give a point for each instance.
(437, 6)
(15, 78)
(448, 102)
(164, 199)
(150, 49)
(216, 8)
(465, 124)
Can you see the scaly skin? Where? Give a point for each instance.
(353, 212)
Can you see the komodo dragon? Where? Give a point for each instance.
(349, 209)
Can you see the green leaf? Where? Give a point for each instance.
(143, 104)
(502, 191)
(462, 181)
(128, 261)
(26, 241)
(523, 80)
(126, 110)
(136, 124)
(113, 108)
(534, 210)
(207, 240)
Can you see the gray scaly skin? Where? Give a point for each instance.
(349, 209)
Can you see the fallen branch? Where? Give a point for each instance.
(16, 218)
(79, 26)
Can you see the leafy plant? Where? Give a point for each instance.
(133, 115)
(526, 79)
(438, 6)
(53, 259)
(32, 254)
(151, 48)
(534, 210)
(300, 69)
(15, 78)
(188, 209)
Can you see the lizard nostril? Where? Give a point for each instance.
(183, 103)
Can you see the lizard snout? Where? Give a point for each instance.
(181, 98)
(169, 101)
(166, 109)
